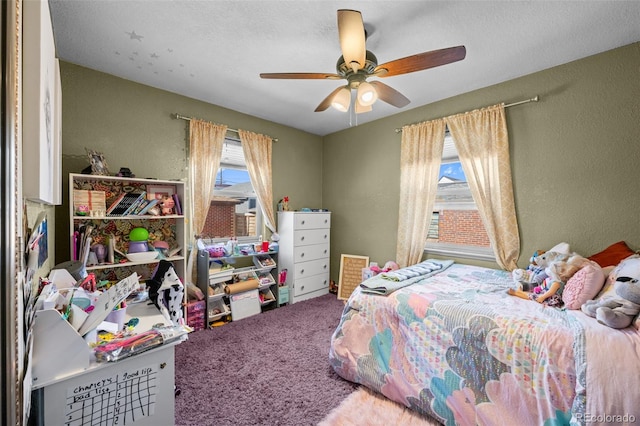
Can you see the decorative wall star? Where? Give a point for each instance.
(134, 36)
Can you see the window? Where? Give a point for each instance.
(456, 228)
(235, 210)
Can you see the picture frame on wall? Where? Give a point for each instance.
(42, 93)
(351, 267)
(98, 163)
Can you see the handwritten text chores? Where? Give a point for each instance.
(120, 399)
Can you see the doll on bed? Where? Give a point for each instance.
(549, 291)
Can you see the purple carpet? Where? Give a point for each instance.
(268, 369)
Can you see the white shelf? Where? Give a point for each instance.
(128, 263)
(130, 217)
(103, 225)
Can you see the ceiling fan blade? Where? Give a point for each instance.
(326, 103)
(352, 38)
(421, 61)
(390, 95)
(301, 75)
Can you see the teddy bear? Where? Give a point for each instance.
(532, 275)
(619, 310)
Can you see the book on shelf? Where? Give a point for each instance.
(177, 206)
(82, 239)
(141, 205)
(115, 203)
(124, 204)
(135, 204)
(148, 206)
(85, 202)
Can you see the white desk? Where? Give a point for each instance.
(137, 390)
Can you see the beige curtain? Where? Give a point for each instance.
(205, 149)
(482, 142)
(420, 157)
(257, 155)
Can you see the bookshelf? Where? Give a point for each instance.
(90, 199)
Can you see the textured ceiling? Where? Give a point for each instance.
(214, 50)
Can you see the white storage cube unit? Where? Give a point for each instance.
(304, 253)
(244, 304)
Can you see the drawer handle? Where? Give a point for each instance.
(325, 251)
(302, 238)
(302, 223)
(325, 221)
(301, 271)
(301, 254)
(325, 282)
(325, 266)
(301, 288)
(325, 236)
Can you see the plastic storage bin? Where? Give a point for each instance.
(283, 295)
(244, 304)
(195, 315)
(217, 309)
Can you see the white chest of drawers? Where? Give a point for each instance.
(304, 253)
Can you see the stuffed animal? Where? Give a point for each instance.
(535, 274)
(619, 311)
(166, 291)
(558, 268)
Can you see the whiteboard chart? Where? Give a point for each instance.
(119, 399)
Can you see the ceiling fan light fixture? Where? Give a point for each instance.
(362, 108)
(367, 94)
(341, 100)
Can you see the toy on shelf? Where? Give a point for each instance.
(138, 238)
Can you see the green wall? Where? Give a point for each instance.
(574, 154)
(133, 126)
(575, 159)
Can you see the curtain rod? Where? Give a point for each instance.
(536, 98)
(183, 117)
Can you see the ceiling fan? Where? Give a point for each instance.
(357, 64)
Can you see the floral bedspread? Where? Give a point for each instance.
(457, 347)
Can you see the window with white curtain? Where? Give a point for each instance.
(456, 228)
(235, 210)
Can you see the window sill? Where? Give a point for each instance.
(459, 251)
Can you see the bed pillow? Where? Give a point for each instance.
(582, 286)
(613, 254)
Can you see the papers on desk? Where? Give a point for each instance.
(84, 320)
(107, 301)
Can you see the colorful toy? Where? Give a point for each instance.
(532, 276)
(82, 210)
(138, 234)
(166, 205)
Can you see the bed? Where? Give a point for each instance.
(452, 344)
